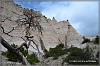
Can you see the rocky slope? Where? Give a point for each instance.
(53, 32)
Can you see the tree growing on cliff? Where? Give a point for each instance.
(31, 20)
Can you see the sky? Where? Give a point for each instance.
(82, 15)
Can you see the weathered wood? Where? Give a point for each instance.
(42, 44)
(11, 49)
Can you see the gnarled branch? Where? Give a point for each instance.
(13, 50)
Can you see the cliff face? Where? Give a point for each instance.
(53, 32)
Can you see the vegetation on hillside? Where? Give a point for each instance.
(85, 40)
(31, 58)
(96, 41)
(31, 20)
(11, 56)
(78, 54)
(73, 53)
(55, 52)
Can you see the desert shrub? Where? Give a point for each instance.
(55, 52)
(85, 40)
(32, 59)
(79, 54)
(96, 41)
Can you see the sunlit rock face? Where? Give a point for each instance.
(53, 32)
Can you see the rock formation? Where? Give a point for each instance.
(54, 32)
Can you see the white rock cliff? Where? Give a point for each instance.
(53, 32)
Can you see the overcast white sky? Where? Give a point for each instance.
(83, 15)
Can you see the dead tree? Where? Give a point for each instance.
(13, 50)
(31, 20)
(42, 44)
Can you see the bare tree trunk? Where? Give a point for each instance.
(42, 44)
(66, 42)
(13, 50)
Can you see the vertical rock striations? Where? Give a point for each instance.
(53, 32)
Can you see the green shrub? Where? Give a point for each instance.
(55, 52)
(85, 40)
(96, 41)
(32, 59)
(79, 54)
(24, 51)
(46, 53)
(11, 56)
